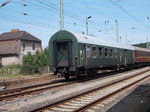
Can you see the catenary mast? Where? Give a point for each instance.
(61, 14)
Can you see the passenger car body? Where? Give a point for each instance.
(73, 54)
(141, 55)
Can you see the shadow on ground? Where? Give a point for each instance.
(136, 101)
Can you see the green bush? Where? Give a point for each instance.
(32, 63)
(27, 69)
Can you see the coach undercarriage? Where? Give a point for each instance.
(68, 72)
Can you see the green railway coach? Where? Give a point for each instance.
(75, 54)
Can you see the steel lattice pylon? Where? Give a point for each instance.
(61, 12)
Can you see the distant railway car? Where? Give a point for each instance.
(141, 56)
(72, 54)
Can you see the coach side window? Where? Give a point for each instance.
(100, 52)
(106, 52)
(88, 50)
(93, 52)
(111, 53)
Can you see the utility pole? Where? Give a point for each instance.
(117, 32)
(61, 14)
(86, 19)
(147, 43)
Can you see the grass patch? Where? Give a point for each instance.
(19, 72)
(10, 71)
(11, 75)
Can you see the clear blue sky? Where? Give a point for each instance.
(41, 18)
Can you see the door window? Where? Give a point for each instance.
(61, 50)
(106, 52)
(88, 50)
(93, 52)
(81, 50)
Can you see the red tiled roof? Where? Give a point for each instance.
(22, 35)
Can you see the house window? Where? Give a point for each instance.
(93, 52)
(88, 50)
(24, 46)
(106, 52)
(111, 53)
(33, 46)
(100, 52)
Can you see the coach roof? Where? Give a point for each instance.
(82, 38)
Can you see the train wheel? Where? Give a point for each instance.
(67, 77)
(77, 74)
(65, 74)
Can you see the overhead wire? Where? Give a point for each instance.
(25, 22)
(35, 16)
(26, 14)
(49, 8)
(5, 3)
(76, 17)
(70, 14)
(127, 13)
(46, 6)
(37, 5)
(66, 14)
(43, 4)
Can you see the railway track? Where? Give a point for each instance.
(95, 98)
(13, 93)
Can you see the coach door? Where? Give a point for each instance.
(120, 56)
(125, 57)
(82, 55)
(62, 53)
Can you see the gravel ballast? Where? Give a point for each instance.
(48, 98)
